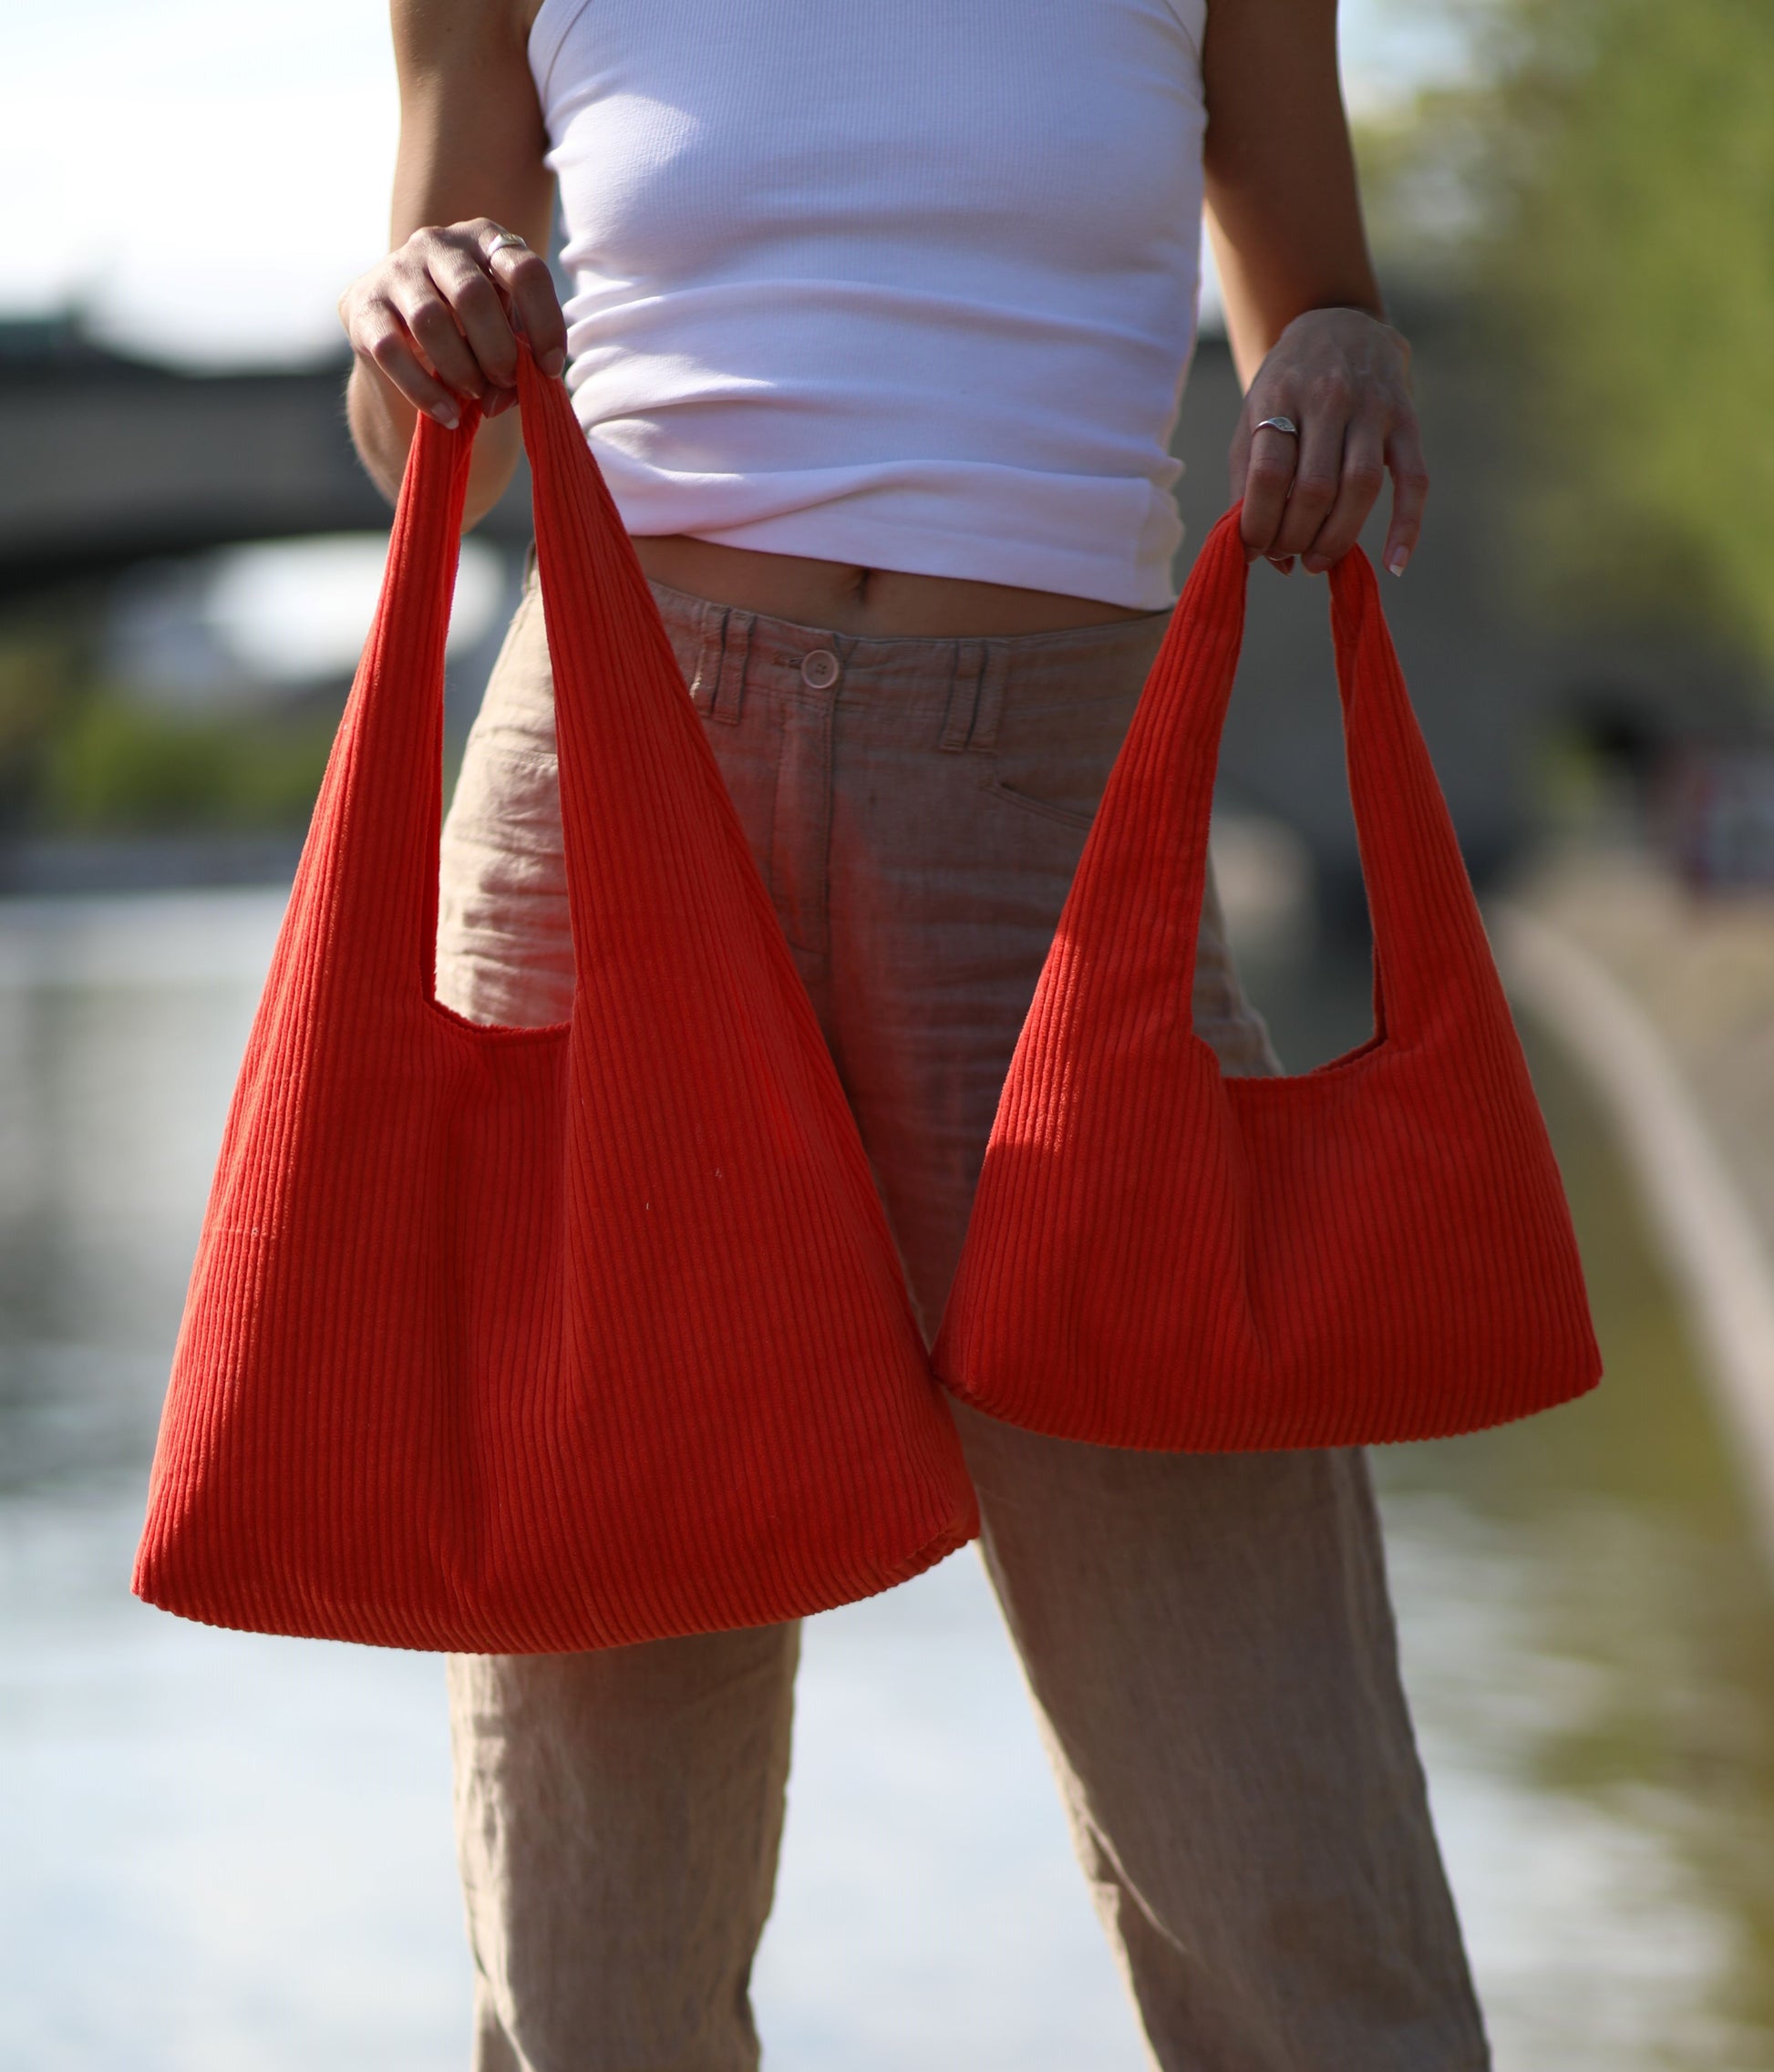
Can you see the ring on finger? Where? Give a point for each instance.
(1276, 424)
(495, 245)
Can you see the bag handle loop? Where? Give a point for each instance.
(1419, 895)
(383, 786)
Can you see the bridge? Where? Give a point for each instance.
(106, 461)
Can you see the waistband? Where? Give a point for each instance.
(723, 649)
(961, 685)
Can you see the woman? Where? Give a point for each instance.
(879, 325)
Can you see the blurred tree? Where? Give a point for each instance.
(1605, 187)
(41, 661)
(79, 756)
(115, 767)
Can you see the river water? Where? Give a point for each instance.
(226, 1853)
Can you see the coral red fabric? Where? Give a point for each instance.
(1378, 1249)
(516, 1340)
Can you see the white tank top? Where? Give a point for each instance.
(908, 283)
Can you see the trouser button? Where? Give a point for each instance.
(818, 672)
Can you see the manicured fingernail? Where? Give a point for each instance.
(446, 416)
(1314, 565)
(553, 361)
(1397, 564)
(1282, 564)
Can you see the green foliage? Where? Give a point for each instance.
(40, 666)
(78, 755)
(1640, 249)
(35, 667)
(1609, 185)
(121, 767)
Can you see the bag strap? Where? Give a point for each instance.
(1429, 935)
(372, 854)
(367, 885)
(1429, 938)
(617, 684)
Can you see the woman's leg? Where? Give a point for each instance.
(618, 1812)
(617, 1817)
(1211, 1651)
(1208, 1638)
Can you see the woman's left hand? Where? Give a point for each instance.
(1344, 377)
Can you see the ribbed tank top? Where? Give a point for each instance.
(911, 284)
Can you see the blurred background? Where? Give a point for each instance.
(223, 1852)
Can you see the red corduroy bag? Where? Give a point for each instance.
(533, 1339)
(1378, 1249)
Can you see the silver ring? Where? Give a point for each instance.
(499, 242)
(1277, 424)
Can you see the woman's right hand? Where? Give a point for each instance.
(438, 318)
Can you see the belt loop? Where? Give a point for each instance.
(696, 638)
(976, 695)
(988, 701)
(730, 672)
(963, 694)
(699, 681)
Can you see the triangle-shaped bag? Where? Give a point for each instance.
(533, 1339)
(1378, 1249)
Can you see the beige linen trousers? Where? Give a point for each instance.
(1208, 1638)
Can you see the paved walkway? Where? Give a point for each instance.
(1668, 1002)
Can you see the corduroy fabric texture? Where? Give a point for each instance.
(518, 1340)
(1378, 1249)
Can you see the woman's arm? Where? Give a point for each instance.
(1307, 326)
(429, 324)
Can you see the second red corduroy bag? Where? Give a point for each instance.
(1378, 1249)
(515, 1340)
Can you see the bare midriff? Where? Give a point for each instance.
(843, 598)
